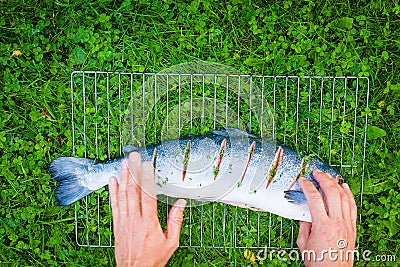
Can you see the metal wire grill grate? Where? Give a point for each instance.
(321, 115)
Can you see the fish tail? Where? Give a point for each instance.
(68, 172)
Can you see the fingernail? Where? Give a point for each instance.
(112, 181)
(318, 171)
(181, 203)
(134, 157)
(125, 164)
(346, 186)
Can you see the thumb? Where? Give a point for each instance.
(175, 219)
(304, 233)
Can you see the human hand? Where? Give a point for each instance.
(139, 239)
(333, 226)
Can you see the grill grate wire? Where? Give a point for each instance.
(324, 115)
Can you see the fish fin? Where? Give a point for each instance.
(96, 161)
(67, 171)
(295, 197)
(129, 148)
(221, 132)
(230, 131)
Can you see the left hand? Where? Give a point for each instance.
(139, 239)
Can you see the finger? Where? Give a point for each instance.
(304, 233)
(175, 219)
(134, 190)
(353, 206)
(148, 194)
(332, 193)
(314, 200)
(346, 209)
(123, 180)
(113, 188)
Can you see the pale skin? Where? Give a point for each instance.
(333, 224)
(140, 240)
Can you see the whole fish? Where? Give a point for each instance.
(228, 166)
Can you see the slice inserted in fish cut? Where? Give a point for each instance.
(274, 166)
(154, 157)
(302, 171)
(186, 159)
(219, 159)
(251, 152)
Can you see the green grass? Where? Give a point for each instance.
(281, 37)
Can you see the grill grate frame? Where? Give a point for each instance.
(306, 111)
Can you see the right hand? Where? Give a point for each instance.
(333, 224)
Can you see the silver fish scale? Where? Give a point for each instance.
(319, 115)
